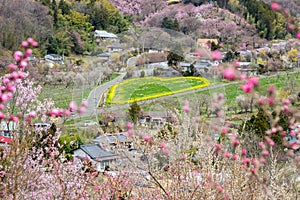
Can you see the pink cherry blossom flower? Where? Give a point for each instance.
(2, 115)
(275, 6)
(73, 106)
(229, 74)
(32, 113)
(224, 130)
(129, 125)
(163, 145)
(270, 141)
(244, 151)
(261, 144)
(298, 36)
(236, 142)
(218, 147)
(12, 67)
(24, 44)
(129, 133)
(248, 87)
(147, 138)
(81, 110)
(165, 151)
(35, 44)
(265, 153)
(18, 56)
(28, 52)
(67, 112)
(234, 157)
(4, 98)
(186, 109)
(15, 119)
(21, 75)
(23, 64)
(30, 40)
(226, 154)
(54, 112)
(254, 80)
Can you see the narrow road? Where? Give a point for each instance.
(95, 95)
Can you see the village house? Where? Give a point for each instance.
(104, 35)
(206, 43)
(98, 156)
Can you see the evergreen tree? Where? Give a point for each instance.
(134, 112)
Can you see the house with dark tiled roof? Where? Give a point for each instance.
(98, 156)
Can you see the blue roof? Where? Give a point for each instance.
(96, 151)
(111, 138)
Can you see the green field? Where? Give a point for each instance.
(139, 89)
(62, 96)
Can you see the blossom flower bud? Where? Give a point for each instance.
(271, 89)
(28, 52)
(73, 106)
(298, 36)
(2, 115)
(23, 64)
(146, 138)
(244, 151)
(21, 75)
(261, 144)
(270, 141)
(224, 130)
(84, 103)
(229, 74)
(236, 142)
(247, 87)
(218, 147)
(4, 98)
(163, 145)
(129, 125)
(67, 112)
(54, 112)
(221, 96)
(234, 157)
(81, 110)
(12, 67)
(25, 44)
(18, 56)
(261, 101)
(220, 189)
(165, 151)
(254, 80)
(286, 101)
(265, 153)
(246, 161)
(11, 88)
(34, 44)
(130, 132)
(30, 40)
(275, 6)
(1, 106)
(32, 113)
(15, 119)
(226, 154)
(5, 81)
(186, 109)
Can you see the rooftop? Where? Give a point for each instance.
(104, 34)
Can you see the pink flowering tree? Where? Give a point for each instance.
(182, 161)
